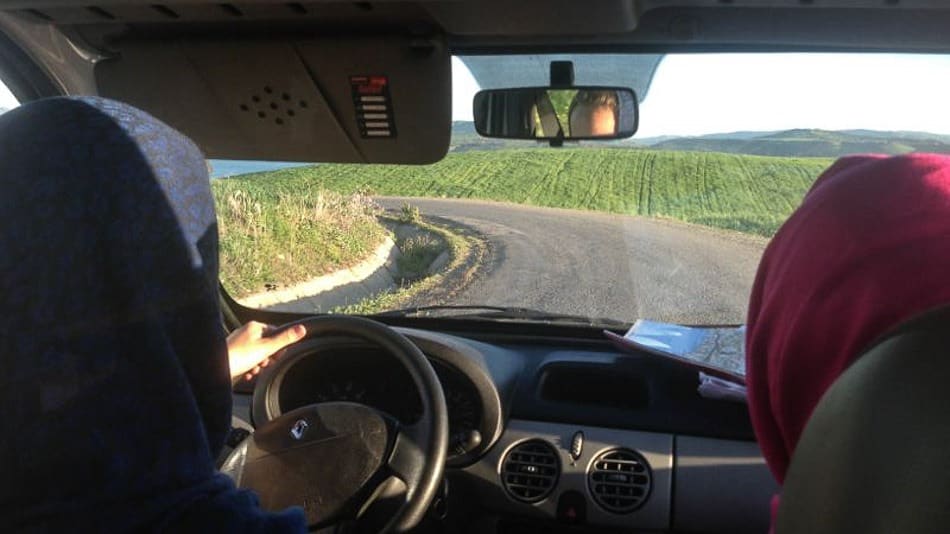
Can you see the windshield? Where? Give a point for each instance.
(668, 225)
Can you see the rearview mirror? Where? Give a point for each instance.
(541, 113)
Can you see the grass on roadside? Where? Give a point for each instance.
(272, 235)
(460, 249)
(737, 192)
(418, 253)
(408, 214)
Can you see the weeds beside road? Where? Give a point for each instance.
(274, 236)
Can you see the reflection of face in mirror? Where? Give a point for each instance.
(555, 113)
(594, 114)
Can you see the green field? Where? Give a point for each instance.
(747, 193)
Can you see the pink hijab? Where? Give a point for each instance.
(868, 249)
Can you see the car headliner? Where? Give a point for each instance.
(196, 63)
(497, 26)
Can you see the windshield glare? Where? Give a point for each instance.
(668, 225)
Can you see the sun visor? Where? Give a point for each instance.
(366, 100)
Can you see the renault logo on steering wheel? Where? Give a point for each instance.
(299, 428)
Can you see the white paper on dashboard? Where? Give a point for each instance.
(711, 387)
(718, 353)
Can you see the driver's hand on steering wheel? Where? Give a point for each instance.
(251, 346)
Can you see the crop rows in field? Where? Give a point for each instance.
(746, 193)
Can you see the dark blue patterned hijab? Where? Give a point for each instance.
(114, 381)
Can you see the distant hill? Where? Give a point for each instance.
(898, 135)
(811, 143)
(788, 143)
(463, 128)
(652, 141)
(465, 138)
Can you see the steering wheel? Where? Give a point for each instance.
(343, 462)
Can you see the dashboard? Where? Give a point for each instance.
(560, 435)
(364, 375)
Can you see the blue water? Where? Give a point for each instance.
(226, 168)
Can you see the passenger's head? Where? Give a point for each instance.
(594, 114)
(113, 365)
(868, 249)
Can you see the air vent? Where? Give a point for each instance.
(530, 470)
(619, 480)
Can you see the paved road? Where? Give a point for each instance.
(604, 265)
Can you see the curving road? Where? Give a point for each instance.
(604, 265)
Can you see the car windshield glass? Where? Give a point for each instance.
(668, 225)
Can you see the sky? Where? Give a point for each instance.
(694, 94)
